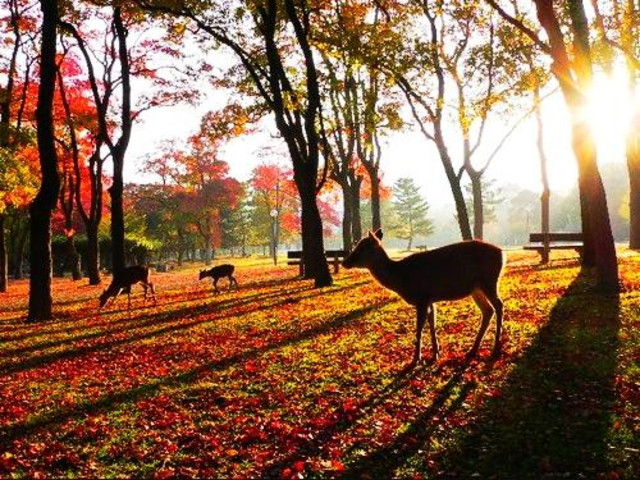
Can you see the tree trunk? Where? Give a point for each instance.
(73, 259)
(40, 301)
(633, 165)
(347, 216)
(478, 207)
(375, 201)
(315, 263)
(545, 218)
(18, 254)
(93, 255)
(356, 217)
(598, 237)
(4, 277)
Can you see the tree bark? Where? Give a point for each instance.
(315, 263)
(347, 218)
(40, 301)
(356, 217)
(93, 255)
(4, 277)
(18, 253)
(478, 206)
(376, 222)
(545, 218)
(118, 151)
(633, 164)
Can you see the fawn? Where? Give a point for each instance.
(123, 283)
(216, 273)
(447, 273)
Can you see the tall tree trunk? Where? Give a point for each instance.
(4, 277)
(119, 150)
(356, 216)
(347, 218)
(18, 253)
(478, 207)
(545, 218)
(633, 164)
(375, 201)
(73, 259)
(93, 255)
(315, 263)
(40, 301)
(574, 78)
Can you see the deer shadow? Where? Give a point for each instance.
(555, 410)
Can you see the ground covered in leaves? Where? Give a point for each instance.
(281, 380)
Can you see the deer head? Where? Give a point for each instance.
(203, 274)
(365, 252)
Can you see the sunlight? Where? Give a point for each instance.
(610, 112)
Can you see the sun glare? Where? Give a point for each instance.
(610, 112)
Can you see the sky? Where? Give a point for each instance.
(408, 154)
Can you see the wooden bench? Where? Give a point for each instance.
(294, 257)
(556, 241)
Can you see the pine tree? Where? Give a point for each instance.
(411, 210)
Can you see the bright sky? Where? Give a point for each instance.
(409, 154)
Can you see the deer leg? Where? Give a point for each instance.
(431, 316)
(495, 301)
(215, 285)
(487, 312)
(144, 285)
(421, 316)
(153, 293)
(235, 282)
(230, 283)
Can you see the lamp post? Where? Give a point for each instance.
(274, 231)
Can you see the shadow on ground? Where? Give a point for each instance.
(555, 410)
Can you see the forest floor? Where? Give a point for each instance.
(282, 380)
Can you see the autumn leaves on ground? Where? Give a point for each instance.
(286, 381)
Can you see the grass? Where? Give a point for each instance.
(281, 380)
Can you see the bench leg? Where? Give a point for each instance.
(301, 268)
(336, 265)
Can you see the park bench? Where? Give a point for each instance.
(556, 241)
(294, 257)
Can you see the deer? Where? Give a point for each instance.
(124, 280)
(471, 268)
(217, 272)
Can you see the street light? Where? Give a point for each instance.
(274, 215)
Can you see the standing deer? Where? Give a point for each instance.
(123, 283)
(216, 273)
(446, 273)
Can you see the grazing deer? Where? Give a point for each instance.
(123, 283)
(446, 273)
(216, 273)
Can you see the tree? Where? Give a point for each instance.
(573, 73)
(275, 193)
(266, 37)
(40, 210)
(411, 210)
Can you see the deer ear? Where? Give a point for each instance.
(378, 234)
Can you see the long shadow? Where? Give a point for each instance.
(313, 446)
(382, 463)
(553, 415)
(37, 361)
(111, 401)
(17, 323)
(152, 319)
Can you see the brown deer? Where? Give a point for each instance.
(446, 273)
(216, 273)
(123, 283)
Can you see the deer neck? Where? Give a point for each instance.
(384, 271)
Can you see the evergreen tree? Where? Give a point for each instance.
(411, 210)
